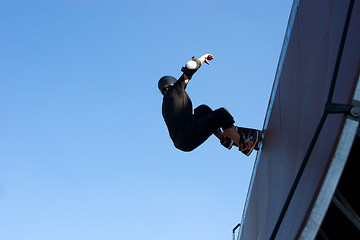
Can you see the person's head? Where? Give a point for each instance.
(165, 82)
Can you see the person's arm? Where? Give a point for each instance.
(204, 58)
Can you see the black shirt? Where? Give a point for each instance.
(177, 110)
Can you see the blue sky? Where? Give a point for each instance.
(84, 151)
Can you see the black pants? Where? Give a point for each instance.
(205, 123)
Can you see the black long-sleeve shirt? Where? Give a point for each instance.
(177, 110)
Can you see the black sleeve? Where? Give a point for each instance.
(180, 84)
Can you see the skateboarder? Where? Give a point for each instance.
(188, 130)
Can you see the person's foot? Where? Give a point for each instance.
(249, 140)
(227, 142)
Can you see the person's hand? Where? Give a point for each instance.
(206, 58)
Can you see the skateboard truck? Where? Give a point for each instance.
(353, 110)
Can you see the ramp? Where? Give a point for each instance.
(311, 124)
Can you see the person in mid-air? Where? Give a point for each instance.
(189, 129)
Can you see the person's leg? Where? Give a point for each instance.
(233, 134)
(227, 125)
(219, 134)
(246, 139)
(202, 111)
(208, 122)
